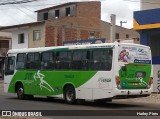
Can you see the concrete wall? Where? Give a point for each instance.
(156, 78)
(5, 34)
(105, 30)
(51, 12)
(15, 44)
(149, 4)
(37, 43)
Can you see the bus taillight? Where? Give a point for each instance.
(118, 82)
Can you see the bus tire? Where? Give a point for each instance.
(20, 92)
(70, 95)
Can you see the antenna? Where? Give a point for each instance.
(121, 22)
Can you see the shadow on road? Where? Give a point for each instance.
(111, 105)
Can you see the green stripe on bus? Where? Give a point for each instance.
(50, 82)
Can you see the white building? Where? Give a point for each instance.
(149, 4)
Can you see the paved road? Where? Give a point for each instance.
(10, 102)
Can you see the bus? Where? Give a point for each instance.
(99, 72)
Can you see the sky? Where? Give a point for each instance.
(13, 14)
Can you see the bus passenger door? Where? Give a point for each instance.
(9, 70)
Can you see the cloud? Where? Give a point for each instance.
(23, 13)
(122, 9)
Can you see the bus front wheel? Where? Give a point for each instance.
(70, 95)
(20, 92)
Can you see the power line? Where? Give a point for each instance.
(16, 2)
(25, 13)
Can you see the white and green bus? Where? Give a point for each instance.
(99, 72)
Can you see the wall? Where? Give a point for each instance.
(51, 12)
(105, 29)
(37, 43)
(5, 34)
(149, 4)
(69, 28)
(85, 18)
(156, 78)
(15, 44)
(147, 23)
(89, 9)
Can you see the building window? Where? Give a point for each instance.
(91, 35)
(127, 36)
(68, 11)
(45, 16)
(117, 36)
(20, 38)
(56, 13)
(36, 35)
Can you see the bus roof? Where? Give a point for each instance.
(42, 49)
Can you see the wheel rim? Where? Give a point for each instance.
(69, 95)
(20, 91)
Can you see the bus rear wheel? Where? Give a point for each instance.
(70, 95)
(20, 92)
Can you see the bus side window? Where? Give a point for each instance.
(33, 61)
(21, 61)
(101, 60)
(85, 59)
(9, 65)
(77, 61)
(63, 60)
(48, 60)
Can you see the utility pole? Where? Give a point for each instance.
(112, 28)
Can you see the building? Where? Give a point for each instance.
(73, 21)
(27, 35)
(121, 33)
(147, 23)
(149, 4)
(5, 44)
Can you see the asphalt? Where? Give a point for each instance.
(10, 102)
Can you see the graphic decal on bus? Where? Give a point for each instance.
(142, 82)
(135, 66)
(134, 55)
(43, 83)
